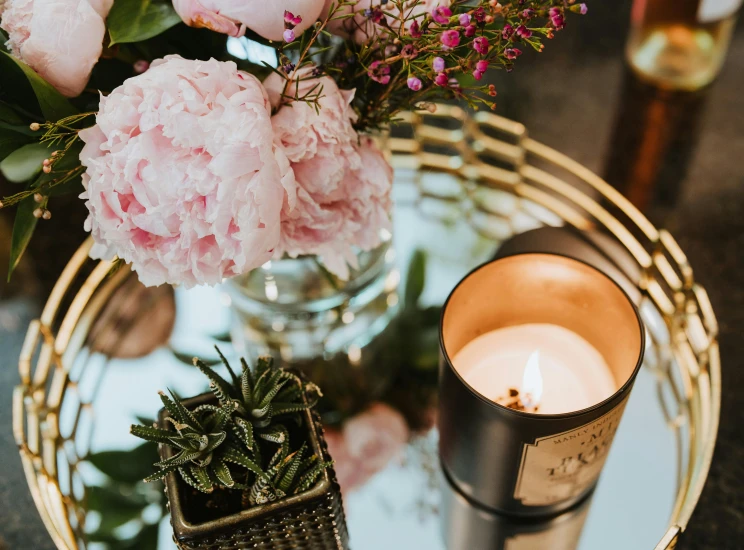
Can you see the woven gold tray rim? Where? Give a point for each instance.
(481, 150)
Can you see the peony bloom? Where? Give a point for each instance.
(366, 444)
(59, 39)
(362, 28)
(263, 17)
(183, 180)
(343, 184)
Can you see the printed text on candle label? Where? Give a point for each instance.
(564, 465)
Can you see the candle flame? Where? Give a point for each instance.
(532, 382)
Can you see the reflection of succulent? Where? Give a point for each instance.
(224, 444)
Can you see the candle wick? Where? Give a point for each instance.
(516, 402)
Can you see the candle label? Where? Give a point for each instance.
(563, 466)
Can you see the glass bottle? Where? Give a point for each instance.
(680, 44)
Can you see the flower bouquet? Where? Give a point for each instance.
(198, 164)
(228, 139)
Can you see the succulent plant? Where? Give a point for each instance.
(237, 443)
(258, 397)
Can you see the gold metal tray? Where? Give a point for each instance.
(464, 184)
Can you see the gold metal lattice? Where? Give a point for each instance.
(53, 404)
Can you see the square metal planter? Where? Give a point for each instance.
(313, 520)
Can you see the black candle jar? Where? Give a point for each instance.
(519, 462)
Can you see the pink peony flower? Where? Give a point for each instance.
(343, 193)
(362, 28)
(232, 17)
(59, 39)
(183, 180)
(366, 444)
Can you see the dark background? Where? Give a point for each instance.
(577, 97)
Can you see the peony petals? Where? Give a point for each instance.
(183, 179)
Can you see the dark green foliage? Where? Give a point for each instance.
(240, 443)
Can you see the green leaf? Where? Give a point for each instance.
(137, 20)
(115, 507)
(9, 116)
(146, 539)
(127, 466)
(11, 140)
(23, 228)
(24, 163)
(416, 278)
(53, 105)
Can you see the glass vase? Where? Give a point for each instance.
(338, 332)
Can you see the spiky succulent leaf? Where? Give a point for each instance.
(289, 470)
(241, 459)
(288, 408)
(235, 379)
(262, 492)
(201, 477)
(276, 434)
(222, 472)
(150, 433)
(178, 412)
(244, 432)
(214, 441)
(162, 473)
(179, 459)
(187, 477)
(308, 479)
(246, 381)
(219, 386)
(290, 393)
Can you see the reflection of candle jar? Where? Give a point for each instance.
(466, 526)
(539, 353)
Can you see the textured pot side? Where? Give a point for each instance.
(313, 520)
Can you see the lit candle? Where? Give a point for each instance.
(539, 353)
(538, 367)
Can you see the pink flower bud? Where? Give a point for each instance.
(289, 35)
(477, 75)
(414, 83)
(379, 72)
(512, 53)
(438, 64)
(507, 32)
(481, 66)
(450, 39)
(480, 45)
(441, 80)
(470, 31)
(141, 66)
(441, 14)
(523, 32)
(464, 19)
(415, 30)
